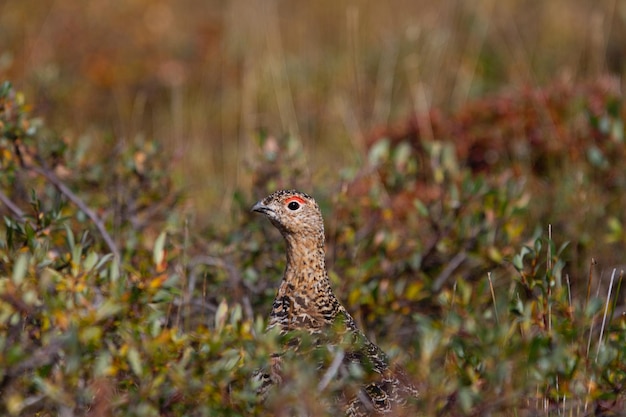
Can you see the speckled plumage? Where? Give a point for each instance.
(306, 301)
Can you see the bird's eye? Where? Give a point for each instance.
(294, 205)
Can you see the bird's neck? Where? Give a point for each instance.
(305, 298)
(306, 265)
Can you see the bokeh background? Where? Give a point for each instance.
(206, 79)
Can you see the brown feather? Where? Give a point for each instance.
(306, 301)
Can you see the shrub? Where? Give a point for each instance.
(112, 304)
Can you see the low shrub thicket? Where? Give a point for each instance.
(112, 304)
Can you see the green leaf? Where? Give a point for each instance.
(19, 270)
(401, 156)
(517, 306)
(102, 364)
(90, 334)
(30, 234)
(103, 260)
(596, 157)
(134, 361)
(422, 210)
(14, 355)
(158, 252)
(114, 271)
(379, 153)
(617, 131)
(90, 261)
(76, 255)
(5, 88)
(220, 315)
(69, 237)
(108, 309)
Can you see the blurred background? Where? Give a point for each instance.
(207, 79)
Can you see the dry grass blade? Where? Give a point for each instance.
(590, 280)
(606, 310)
(493, 297)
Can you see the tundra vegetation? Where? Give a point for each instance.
(474, 201)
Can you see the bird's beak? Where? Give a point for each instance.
(259, 207)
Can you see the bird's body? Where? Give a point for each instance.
(306, 301)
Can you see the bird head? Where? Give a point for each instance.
(292, 212)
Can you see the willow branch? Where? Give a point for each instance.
(11, 205)
(60, 185)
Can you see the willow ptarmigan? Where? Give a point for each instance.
(305, 301)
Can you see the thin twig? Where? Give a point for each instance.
(332, 370)
(615, 300)
(589, 279)
(454, 263)
(593, 318)
(606, 310)
(549, 251)
(549, 274)
(569, 291)
(11, 205)
(493, 297)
